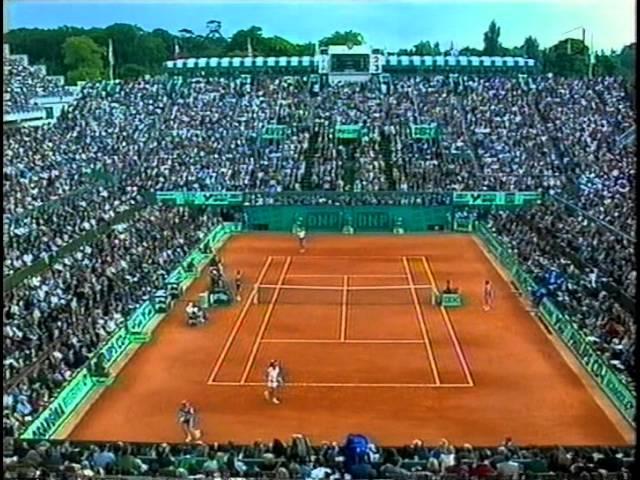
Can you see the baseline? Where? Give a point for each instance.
(349, 385)
(372, 341)
(329, 275)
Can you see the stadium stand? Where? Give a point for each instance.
(299, 459)
(23, 83)
(117, 142)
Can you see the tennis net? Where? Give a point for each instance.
(324, 295)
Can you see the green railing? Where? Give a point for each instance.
(610, 381)
(123, 342)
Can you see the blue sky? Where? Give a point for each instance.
(385, 24)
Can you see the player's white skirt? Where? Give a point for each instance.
(272, 384)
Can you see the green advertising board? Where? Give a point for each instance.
(429, 131)
(222, 199)
(620, 393)
(496, 198)
(275, 132)
(349, 131)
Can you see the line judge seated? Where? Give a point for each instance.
(195, 315)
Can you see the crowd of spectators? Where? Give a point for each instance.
(116, 142)
(585, 119)
(53, 322)
(22, 83)
(298, 459)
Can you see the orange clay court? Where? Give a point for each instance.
(364, 351)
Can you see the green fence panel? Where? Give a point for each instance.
(349, 131)
(496, 198)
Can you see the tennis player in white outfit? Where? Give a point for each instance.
(274, 381)
(302, 234)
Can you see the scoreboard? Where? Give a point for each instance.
(350, 63)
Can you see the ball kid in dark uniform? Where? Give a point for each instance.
(238, 284)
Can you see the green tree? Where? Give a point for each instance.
(152, 52)
(627, 61)
(436, 49)
(568, 58)
(343, 38)
(422, 48)
(492, 44)
(132, 72)
(239, 41)
(84, 74)
(531, 48)
(82, 52)
(278, 46)
(167, 39)
(606, 65)
(126, 40)
(471, 52)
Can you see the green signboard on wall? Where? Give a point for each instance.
(496, 198)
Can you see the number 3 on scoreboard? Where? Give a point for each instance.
(376, 64)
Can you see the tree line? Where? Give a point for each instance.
(83, 54)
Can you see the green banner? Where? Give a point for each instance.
(222, 199)
(610, 382)
(463, 224)
(429, 131)
(496, 198)
(349, 131)
(141, 319)
(275, 132)
(52, 418)
(620, 393)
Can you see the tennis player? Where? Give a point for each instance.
(275, 380)
(488, 296)
(187, 420)
(302, 239)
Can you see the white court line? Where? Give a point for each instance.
(349, 385)
(352, 288)
(343, 309)
(424, 328)
(372, 341)
(323, 275)
(349, 256)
